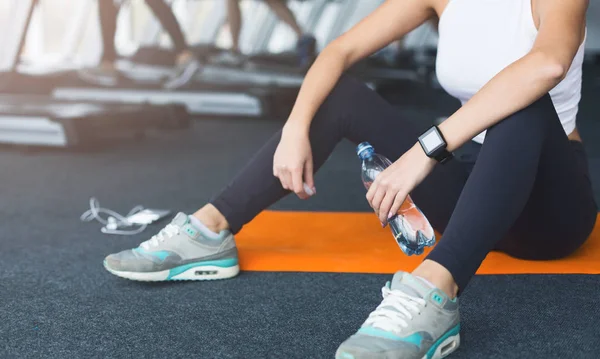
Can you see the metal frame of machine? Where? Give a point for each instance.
(38, 120)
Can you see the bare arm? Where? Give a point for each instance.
(561, 32)
(389, 22)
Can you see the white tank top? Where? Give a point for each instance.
(479, 38)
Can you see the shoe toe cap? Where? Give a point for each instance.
(125, 261)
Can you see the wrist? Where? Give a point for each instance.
(296, 127)
(449, 135)
(418, 149)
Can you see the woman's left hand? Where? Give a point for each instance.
(392, 186)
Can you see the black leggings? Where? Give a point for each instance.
(528, 193)
(108, 23)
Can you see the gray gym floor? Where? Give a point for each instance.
(57, 301)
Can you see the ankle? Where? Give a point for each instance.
(439, 276)
(210, 216)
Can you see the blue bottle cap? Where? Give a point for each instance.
(364, 150)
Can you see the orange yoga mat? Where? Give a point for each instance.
(356, 243)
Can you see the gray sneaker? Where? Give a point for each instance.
(184, 73)
(178, 252)
(229, 58)
(99, 76)
(414, 321)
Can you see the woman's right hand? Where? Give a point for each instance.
(293, 163)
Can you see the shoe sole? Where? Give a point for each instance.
(442, 348)
(184, 78)
(194, 271)
(446, 345)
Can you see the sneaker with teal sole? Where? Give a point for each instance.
(414, 321)
(178, 252)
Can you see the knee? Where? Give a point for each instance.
(336, 105)
(542, 108)
(342, 92)
(340, 108)
(530, 122)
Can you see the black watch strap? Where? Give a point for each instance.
(444, 156)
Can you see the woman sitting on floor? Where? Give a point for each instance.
(516, 66)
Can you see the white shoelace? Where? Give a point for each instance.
(395, 311)
(168, 232)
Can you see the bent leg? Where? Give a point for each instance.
(355, 112)
(527, 194)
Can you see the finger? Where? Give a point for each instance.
(284, 178)
(371, 193)
(288, 181)
(303, 195)
(395, 208)
(378, 198)
(297, 184)
(386, 204)
(309, 178)
(277, 173)
(309, 191)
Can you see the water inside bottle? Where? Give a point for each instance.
(410, 228)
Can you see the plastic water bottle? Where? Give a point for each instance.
(410, 227)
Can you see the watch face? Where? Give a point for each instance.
(431, 140)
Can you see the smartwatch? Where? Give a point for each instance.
(433, 143)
